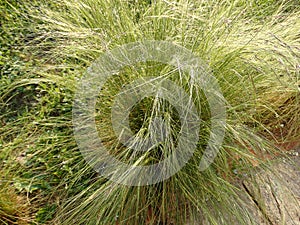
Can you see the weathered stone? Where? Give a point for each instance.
(276, 193)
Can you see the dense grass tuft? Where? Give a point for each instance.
(252, 48)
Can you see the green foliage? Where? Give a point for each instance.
(45, 214)
(252, 48)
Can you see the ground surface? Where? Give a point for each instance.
(276, 199)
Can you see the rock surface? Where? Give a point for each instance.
(275, 194)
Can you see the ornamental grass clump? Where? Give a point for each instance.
(252, 55)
